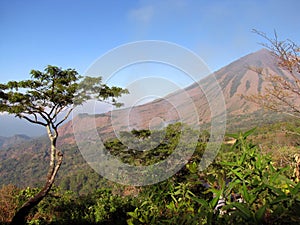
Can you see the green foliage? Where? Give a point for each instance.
(49, 89)
(48, 93)
(8, 202)
(109, 208)
(149, 147)
(267, 193)
(165, 203)
(64, 207)
(261, 185)
(43, 100)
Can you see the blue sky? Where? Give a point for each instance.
(73, 34)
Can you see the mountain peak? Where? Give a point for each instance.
(235, 80)
(261, 58)
(262, 55)
(263, 51)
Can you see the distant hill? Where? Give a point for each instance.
(24, 161)
(6, 142)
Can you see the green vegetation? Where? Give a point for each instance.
(266, 190)
(47, 99)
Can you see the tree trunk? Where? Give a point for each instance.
(56, 158)
(297, 168)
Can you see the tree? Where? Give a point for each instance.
(283, 92)
(47, 100)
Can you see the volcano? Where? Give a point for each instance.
(193, 104)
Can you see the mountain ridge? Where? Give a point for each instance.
(25, 163)
(6, 142)
(235, 79)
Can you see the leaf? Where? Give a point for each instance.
(296, 189)
(249, 132)
(272, 169)
(129, 221)
(245, 193)
(174, 199)
(258, 162)
(171, 206)
(260, 213)
(192, 167)
(133, 214)
(238, 174)
(245, 212)
(201, 201)
(215, 200)
(235, 136)
(280, 199)
(144, 203)
(189, 193)
(242, 158)
(275, 190)
(227, 163)
(242, 135)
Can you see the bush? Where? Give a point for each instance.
(8, 203)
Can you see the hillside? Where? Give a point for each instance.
(6, 142)
(190, 105)
(25, 162)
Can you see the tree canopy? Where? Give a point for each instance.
(47, 99)
(55, 91)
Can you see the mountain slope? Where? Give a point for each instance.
(6, 142)
(191, 104)
(26, 163)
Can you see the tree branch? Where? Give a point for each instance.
(52, 110)
(33, 121)
(65, 117)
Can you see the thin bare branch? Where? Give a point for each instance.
(33, 121)
(282, 93)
